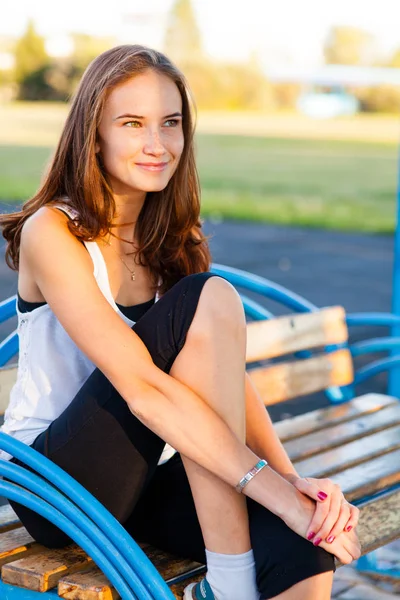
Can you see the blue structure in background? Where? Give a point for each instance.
(326, 105)
(394, 377)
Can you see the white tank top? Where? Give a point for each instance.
(51, 367)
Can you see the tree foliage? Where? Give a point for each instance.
(182, 42)
(349, 46)
(30, 54)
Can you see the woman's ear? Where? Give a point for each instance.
(97, 148)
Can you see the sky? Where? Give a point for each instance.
(279, 32)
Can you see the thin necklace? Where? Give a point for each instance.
(133, 274)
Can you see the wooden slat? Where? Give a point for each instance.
(8, 518)
(320, 441)
(93, 585)
(349, 455)
(322, 418)
(42, 571)
(379, 522)
(281, 382)
(8, 376)
(168, 565)
(16, 543)
(90, 584)
(285, 335)
(368, 478)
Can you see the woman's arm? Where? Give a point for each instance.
(261, 436)
(63, 271)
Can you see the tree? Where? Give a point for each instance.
(395, 60)
(30, 54)
(349, 46)
(182, 41)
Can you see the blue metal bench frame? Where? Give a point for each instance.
(73, 509)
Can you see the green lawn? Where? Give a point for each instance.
(343, 184)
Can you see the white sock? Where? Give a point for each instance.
(232, 576)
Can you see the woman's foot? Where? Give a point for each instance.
(199, 591)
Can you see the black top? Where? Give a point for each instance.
(133, 312)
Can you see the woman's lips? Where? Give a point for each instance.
(152, 166)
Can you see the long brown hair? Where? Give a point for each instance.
(171, 243)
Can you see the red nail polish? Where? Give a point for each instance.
(317, 541)
(310, 535)
(322, 495)
(349, 528)
(330, 539)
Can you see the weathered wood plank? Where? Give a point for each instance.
(314, 443)
(90, 584)
(322, 418)
(169, 566)
(42, 571)
(288, 334)
(8, 518)
(16, 543)
(379, 522)
(349, 455)
(368, 478)
(8, 376)
(280, 382)
(93, 585)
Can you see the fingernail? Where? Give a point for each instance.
(349, 528)
(322, 495)
(330, 539)
(317, 541)
(310, 535)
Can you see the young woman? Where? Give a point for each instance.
(127, 342)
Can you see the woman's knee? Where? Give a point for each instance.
(219, 306)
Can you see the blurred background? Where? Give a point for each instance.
(297, 131)
(297, 127)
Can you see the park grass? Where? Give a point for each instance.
(347, 184)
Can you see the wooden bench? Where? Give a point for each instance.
(357, 444)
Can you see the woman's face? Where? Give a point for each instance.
(140, 136)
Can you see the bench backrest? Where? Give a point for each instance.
(322, 331)
(277, 338)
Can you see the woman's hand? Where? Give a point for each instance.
(333, 514)
(345, 546)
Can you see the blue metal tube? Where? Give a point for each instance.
(14, 492)
(47, 492)
(374, 345)
(255, 310)
(8, 308)
(384, 319)
(376, 367)
(265, 287)
(94, 509)
(8, 348)
(394, 375)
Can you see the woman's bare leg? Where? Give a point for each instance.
(318, 587)
(212, 363)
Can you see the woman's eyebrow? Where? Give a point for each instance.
(127, 115)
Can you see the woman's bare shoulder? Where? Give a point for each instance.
(46, 234)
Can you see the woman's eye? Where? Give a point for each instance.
(136, 124)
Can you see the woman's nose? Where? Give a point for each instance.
(153, 143)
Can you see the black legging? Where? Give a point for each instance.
(107, 449)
